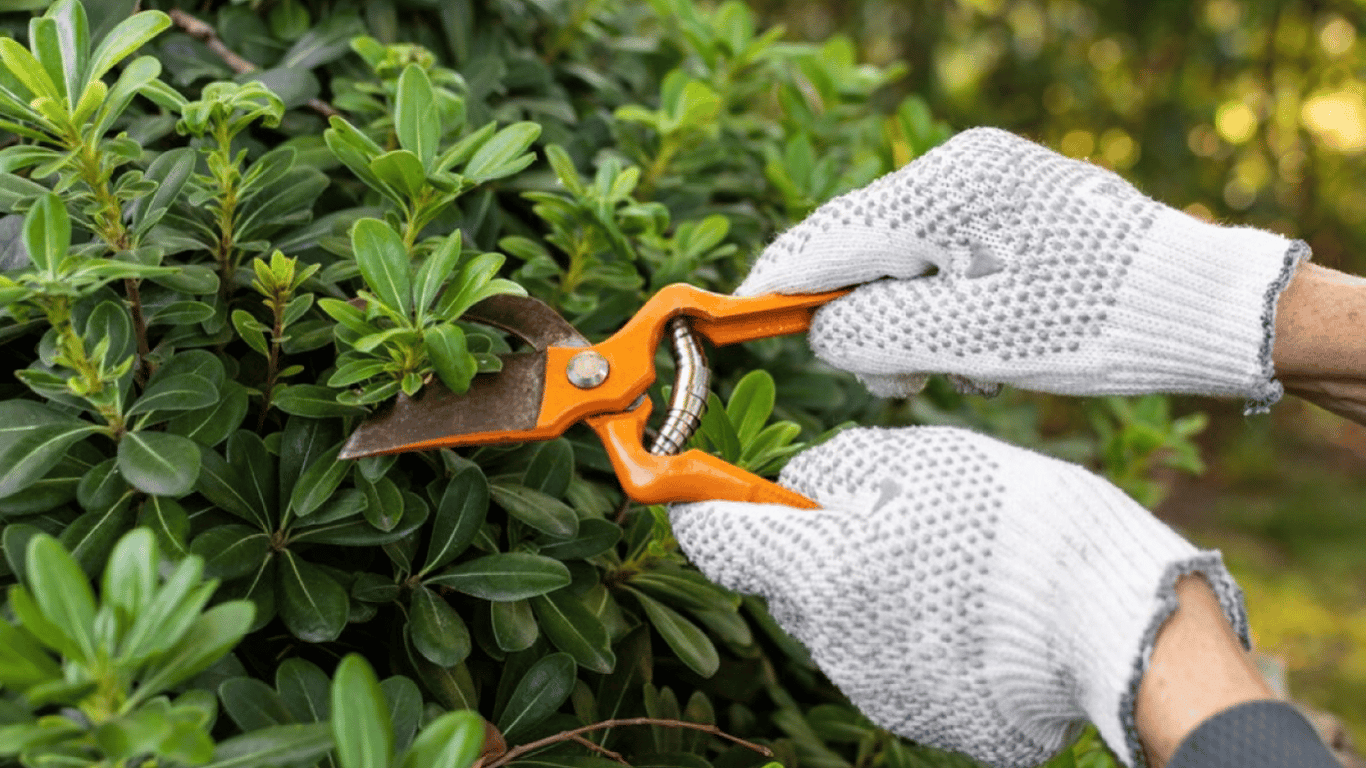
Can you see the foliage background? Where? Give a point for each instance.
(630, 145)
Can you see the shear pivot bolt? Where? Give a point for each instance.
(587, 369)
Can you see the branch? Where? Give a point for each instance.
(600, 749)
(577, 733)
(209, 36)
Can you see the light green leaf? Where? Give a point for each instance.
(383, 262)
(450, 357)
(131, 34)
(62, 593)
(434, 270)
(453, 740)
(47, 233)
(417, 121)
(502, 155)
(401, 170)
(751, 403)
(360, 723)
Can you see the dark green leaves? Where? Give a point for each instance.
(438, 632)
(312, 605)
(541, 691)
(459, 514)
(536, 509)
(159, 462)
(509, 576)
(574, 630)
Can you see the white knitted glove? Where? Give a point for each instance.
(962, 592)
(1052, 274)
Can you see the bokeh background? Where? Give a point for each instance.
(1241, 111)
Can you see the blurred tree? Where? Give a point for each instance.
(1251, 111)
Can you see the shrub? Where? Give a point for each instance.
(211, 275)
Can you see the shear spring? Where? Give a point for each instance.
(688, 400)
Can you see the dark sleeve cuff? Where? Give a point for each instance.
(1259, 734)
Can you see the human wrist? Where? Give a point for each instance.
(1197, 669)
(1318, 322)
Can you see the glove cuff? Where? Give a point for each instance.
(1110, 572)
(1197, 310)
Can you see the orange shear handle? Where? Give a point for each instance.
(689, 476)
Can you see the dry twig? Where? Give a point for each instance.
(576, 734)
(205, 32)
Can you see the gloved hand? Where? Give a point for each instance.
(1052, 274)
(962, 592)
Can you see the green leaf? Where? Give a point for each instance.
(313, 401)
(169, 521)
(453, 740)
(313, 606)
(595, 537)
(416, 118)
(47, 233)
(23, 661)
(208, 638)
(124, 39)
(574, 629)
(461, 511)
(91, 536)
(691, 644)
(212, 425)
(28, 459)
(401, 170)
(27, 69)
(159, 462)
(450, 357)
(551, 468)
(304, 690)
(541, 691)
(231, 551)
(514, 625)
(252, 704)
(542, 512)
(169, 614)
(502, 155)
(317, 483)
(276, 745)
(62, 593)
(505, 576)
(171, 170)
(360, 723)
(434, 270)
(384, 503)
(718, 430)
(383, 262)
(251, 330)
(223, 484)
(182, 392)
(751, 403)
(438, 632)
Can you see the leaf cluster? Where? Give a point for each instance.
(205, 284)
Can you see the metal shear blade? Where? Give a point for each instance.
(540, 394)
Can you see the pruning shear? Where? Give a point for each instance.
(539, 394)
